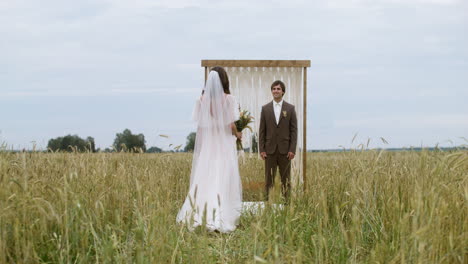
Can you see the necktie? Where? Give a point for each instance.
(278, 109)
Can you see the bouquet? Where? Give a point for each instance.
(243, 122)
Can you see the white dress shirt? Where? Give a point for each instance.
(277, 109)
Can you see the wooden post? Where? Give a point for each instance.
(206, 74)
(304, 136)
(256, 63)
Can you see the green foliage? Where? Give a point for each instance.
(244, 120)
(126, 141)
(154, 150)
(90, 142)
(190, 145)
(71, 143)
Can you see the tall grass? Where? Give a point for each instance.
(357, 207)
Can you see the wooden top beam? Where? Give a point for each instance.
(255, 63)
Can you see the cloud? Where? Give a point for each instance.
(381, 56)
(386, 3)
(105, 92)
(188, 66)
(407, 121)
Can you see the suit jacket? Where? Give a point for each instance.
(282, 135)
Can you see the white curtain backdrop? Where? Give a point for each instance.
(251, 87)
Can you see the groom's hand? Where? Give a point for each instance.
(263, 155)
(291, 155)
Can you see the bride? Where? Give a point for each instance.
(215, 194)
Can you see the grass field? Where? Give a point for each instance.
(358, 207)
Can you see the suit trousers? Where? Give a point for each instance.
(272, 162)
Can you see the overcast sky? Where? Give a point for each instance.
(396, 69)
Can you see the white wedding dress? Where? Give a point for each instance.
(215, 194)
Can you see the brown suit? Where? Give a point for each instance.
(277, 140)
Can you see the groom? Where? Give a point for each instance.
(278, 138)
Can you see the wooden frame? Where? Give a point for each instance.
(272, 63)
(256, 63)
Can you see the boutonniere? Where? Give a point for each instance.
(285, 113)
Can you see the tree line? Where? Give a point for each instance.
(125, 141)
